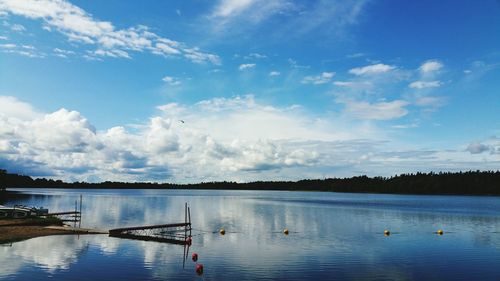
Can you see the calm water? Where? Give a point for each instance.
(334, 236)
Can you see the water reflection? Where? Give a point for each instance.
(333, 236)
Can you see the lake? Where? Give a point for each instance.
(333, 236)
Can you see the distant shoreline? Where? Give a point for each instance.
(486, 183)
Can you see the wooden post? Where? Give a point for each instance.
(76, 210)
(80, 215)
(189, 217)
(185, 220)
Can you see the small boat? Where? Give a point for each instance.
(20, 211)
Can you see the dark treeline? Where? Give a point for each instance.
(463, 183)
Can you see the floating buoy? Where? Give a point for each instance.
(199, 269)
(285, 231)
(194, 257)
(440, 232)
(387, 232)
(222, 231)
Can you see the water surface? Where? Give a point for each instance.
(333, 236)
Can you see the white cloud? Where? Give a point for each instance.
(23, 50)
(372, 69)
(17, 27)
(228, 8)
(375, 111)
(425, 84)
(430, 66)
(353, 84)
(274, 73)
(323, 78)
(219, 139)
(80, 27)
(236, 138)
(62, 53)
(250, 11)
(8, 46)
(13, 108)
(172, 81)
(246, 66)
(4, 38)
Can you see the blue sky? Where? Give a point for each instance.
(265, 89)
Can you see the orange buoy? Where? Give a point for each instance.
(387, 232)
(440, 232)
(285, 231)
(222, 231)
(199, 269)
(194, 257)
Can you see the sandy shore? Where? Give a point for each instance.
(18, 230)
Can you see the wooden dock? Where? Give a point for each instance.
(175, 233)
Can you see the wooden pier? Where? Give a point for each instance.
(175, 233)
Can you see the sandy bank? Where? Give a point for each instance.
(18, 230)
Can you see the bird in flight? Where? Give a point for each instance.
(182, 121)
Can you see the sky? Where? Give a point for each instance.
(247, 90)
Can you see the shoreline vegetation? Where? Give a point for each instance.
(442, 183)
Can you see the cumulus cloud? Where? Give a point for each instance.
(246, 66)
(372, 69)
(220, 138)
(236, 138)
(80, 27)
(425, 84)
(11, 107)
(274, 73)
(430, 66)
(323, 78)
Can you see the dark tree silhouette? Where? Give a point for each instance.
(460, 183)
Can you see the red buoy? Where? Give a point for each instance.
(189, 240)
(199, 269)
(194, 257)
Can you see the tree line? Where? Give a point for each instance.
(459, 183)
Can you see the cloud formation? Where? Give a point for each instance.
(80, 27)
(323, 78)
(246, 66)
(172, 81)
(430, 66)
(372, 69)
(236, 138)
(376, 111)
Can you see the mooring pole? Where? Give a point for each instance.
(76, 210)
(80, 221)
(189, 217)
(185, 220)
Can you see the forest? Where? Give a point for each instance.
(459, 183)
